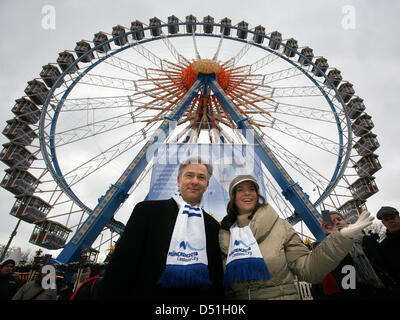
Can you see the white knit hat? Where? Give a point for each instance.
(240, 179)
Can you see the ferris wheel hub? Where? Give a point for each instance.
(205, 66)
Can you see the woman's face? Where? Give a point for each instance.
(246, 197)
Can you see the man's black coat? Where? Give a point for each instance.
(141, 254)
(391, 250)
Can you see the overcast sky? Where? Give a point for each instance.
(365, 49)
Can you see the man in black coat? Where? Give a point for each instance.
(391, 244)
(8, 281)
(140, 256)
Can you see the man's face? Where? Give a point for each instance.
(7, 269)
(193, 183)
(337, 222)
(391, 222)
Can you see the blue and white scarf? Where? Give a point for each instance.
(187, 263)
(245, 261)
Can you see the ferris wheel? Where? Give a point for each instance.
(78, 144)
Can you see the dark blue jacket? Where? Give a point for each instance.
(8, 286)
(141, 254)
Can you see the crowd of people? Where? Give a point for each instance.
(82, 286)
(177, 251)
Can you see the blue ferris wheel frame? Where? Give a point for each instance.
(343, 156)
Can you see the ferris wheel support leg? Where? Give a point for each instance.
(290, 189)
(118, 192)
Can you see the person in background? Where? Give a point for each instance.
(262, 253)
(8, 280)
(391, 243)
(33, 290)
(86, 290)
(66, 290)
(85, 273)
(360, 274)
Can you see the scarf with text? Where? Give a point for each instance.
(187, 263)
(245, 261)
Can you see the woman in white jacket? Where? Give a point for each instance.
(262, 253)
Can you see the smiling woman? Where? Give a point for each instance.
(262, 253)
(245, 200)
(246, 197)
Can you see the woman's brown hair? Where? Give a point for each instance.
(232, 211)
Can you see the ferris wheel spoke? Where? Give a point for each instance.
(96, 103)
(222, 118)
(111, 82)
(150, 56)
(141, 177)
(86, 104)
(68, 213)
(161, 87)
(177, 67)
(93, 104)
(306, 136)
(126, 66)
(298, 111)
(95, 128)
(62, 205)
(90, 166)
(280, 75)
(174, 52)
(276, 196)
(265, 103)
(244, 105)
(335, 200)
(141, 72)
(235, 59)
(261, 63)
(92, 122)
(221, 39)
(169, 100)
(110, 239)
(196, 50)
(57, 94)
(117, 149)
(296, 163)
(62, 200)
(287, 92)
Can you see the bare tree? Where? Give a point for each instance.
(25, 254)
(376, 228)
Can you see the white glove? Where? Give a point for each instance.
(364, 220)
